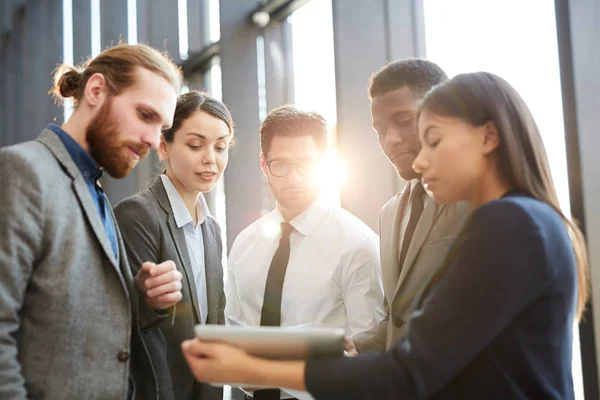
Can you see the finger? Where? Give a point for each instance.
(167, 277)
(198, 348)
(147, 266)
(170, 287)
(163, 267)
(166, 300)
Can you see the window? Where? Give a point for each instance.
(314, 81)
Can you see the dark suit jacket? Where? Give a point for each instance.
(69, 310)
(495, 323)
(150, 233)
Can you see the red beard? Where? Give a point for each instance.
(106, 147)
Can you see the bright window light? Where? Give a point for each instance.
(132, 21)
(314, 83)
(95, 8)
(182, 21)
(67, 48)
(519, 44)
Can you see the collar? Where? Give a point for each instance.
(417, 181)
(87, 165)
(308, 220)
(180, 211)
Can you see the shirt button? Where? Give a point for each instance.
(398, 322)
(123, 355)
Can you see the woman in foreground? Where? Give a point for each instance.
(496, 321)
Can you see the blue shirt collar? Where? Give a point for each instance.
(87, 165)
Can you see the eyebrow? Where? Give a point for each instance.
(403, 113)
(153, 115)
(200, 136)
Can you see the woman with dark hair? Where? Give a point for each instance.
(170, 221)
(496, 320)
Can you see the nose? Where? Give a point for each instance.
(393, 137)
(294, 176)
(420, 165)
(152, 137)
(208, 156)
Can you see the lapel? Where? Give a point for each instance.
(178, 237)
(53, 143)
(392, 272)
(211, 265)
(424, 226)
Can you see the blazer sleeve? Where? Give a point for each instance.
(21, 238)
(222, 298)
(375, 338)
(501, 251)
(141, 235)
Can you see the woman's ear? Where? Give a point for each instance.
(491, 138)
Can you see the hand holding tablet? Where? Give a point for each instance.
(277, 343)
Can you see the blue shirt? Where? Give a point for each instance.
(91, 173)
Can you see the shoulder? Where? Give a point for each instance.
(29, 158)
(30, 169)
(355, 233)
(142, 205)
(515, 218)
(249, 234)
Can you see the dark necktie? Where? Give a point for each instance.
(271, 309)
(416, 209)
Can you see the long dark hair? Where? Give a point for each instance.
(191, 102)
(481, 97)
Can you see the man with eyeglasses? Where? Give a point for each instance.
(304, 263)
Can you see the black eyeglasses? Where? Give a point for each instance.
(280, 168)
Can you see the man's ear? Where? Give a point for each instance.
(263, 163)
(95, 91)
(491, 138)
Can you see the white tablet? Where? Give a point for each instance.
(278, 343)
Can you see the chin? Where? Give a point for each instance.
(444, 198)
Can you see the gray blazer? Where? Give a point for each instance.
(151, 234)
(68, 308)
(435, 232)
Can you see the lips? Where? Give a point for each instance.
(428, 183)
(138, 152)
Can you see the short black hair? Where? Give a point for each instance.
(418, 74)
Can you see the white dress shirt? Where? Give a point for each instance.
(193, 238)
(333, 277)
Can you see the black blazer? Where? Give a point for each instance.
(150, 233)
(496, 322)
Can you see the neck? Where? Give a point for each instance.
(76, 127)
(490, 188)
(289, 214)
(190, 197)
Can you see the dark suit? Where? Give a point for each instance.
(151, 234)
(495, 323)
